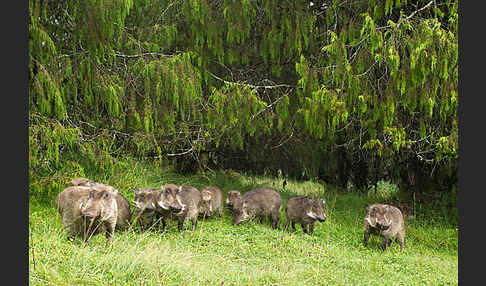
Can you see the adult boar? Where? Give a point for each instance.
(124, 213)
(306, 211)
(385, 221)
(259, 202)
(86, 211)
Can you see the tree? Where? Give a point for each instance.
(337, 90)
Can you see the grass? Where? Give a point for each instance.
(218, 253)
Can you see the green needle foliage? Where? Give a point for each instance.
(349, 92)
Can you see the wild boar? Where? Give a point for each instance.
(259, 202)
(86, 211)
(168, 199)
(190, 199)
(212, 200)
(232, 197)
(164, 202)
(306, 211)
(124, 213)
(145, 208)
(385, 221)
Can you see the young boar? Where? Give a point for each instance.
(146, 208)
(190, 199)
(259, 202)
(231, 198)
(167, 203)
(212, 200)
(385, 221)
(86, 211)
(306, 211)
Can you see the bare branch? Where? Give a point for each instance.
(409, 17)
(250, 85)
(180, 154)
(143, 55)
(284, 141)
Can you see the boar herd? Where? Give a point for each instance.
(88, 208)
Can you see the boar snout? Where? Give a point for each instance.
(149, 207)
(321, 218)
(89, 214)
(236, 220)
(141, 206)
(383, 225)
(177, 207)
(240, 216)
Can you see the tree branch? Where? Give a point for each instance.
(144, 54)
(250, 85)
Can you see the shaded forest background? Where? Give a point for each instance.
(345, 92)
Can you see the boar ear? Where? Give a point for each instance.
(180, 188)
(115, 191)
(367, 208)
(162, 188)
(323, 202)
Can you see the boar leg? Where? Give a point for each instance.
(151, 221)
(109, 232)
(70, 236)
(72, 231)
(275, 219)
(400, 240)
(274, 223)
(304, 227)
(311, 228)
(158, 220)
(164, 224)
(293, 225)
(366, 237)
(72, 228)
(180, 224)
(220, 211)
(287, 225)
(385, 243)
(140, 222)
(194, 224)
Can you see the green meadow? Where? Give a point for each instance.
(218, 253)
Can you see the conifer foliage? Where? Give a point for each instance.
(343, 91)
